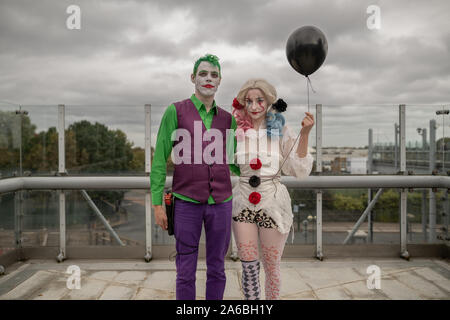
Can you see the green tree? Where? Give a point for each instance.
(12, 127)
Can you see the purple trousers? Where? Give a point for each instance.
(189, 218)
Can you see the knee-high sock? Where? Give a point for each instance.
(250, 279)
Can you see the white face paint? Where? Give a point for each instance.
(256, 104)
(207, 79)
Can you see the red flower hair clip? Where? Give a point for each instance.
(237, 105)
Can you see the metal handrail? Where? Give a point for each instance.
(311, 182)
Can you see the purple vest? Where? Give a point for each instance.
(198, 181)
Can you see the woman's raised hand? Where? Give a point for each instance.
(307, 123)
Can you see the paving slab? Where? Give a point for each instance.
(332, 293)
(425, 288)
(161, 280)
(322, 278)
(395, 290)
(37, 281)
(305, 295)
(358, 290)
(104, 275)
(153, 294)
(55, 289)
(131, 277)
(118, 293)
(433, 276)
(301, 279)
(292, 282)
(233, 286)
(90, 289)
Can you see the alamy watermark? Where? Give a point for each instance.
(73, 22)
(374, 280)
(189, 149)
(74, 280)
(374, 20)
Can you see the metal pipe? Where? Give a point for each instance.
(61, 194)
(62, 226)
(61, 139)
(319, 253)
(424, 192)
(369, 191)
(18, 212)
(396, 146)
(445, 214)
(363, 216)
(102, 218)
(143, 183)
(432, 201)
(424, 215)
(404, 192)
(148, 198)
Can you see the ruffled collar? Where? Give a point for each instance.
(261, 132)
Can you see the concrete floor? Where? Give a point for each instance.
(340, 279)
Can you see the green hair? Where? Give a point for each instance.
(214, 60)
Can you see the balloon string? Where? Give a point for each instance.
(307, 90)
(309, 85)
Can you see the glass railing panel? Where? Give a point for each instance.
(7, 223)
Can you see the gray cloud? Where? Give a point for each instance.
(129, 53)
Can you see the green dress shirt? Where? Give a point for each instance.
(164, 145)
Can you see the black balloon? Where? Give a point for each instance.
(306, 49)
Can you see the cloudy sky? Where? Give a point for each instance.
(129, 53)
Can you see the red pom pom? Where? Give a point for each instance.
(255, 164)
(254, 197)
(236, 104)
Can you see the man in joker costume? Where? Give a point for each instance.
(202, 189)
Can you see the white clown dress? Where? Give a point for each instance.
(275, 201)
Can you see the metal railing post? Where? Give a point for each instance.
(148, 197)
(432, 201)
(319, 253)
(18, 212)
(424, 215)
(61, 193)
(369, 191)
(396, 128)
(445, 215)
(404, 192)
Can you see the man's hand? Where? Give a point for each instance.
(307, 123)
(160, 216)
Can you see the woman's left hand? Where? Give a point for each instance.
(307, 123)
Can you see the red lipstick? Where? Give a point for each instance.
(208, 86)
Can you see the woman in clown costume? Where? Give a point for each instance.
(262, 213)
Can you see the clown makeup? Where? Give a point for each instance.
(256, 105)
(207, 79)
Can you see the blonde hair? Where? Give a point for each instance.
(243, 120)
(269, 90)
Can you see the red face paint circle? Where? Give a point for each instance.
(254, 197)
(255, 164)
